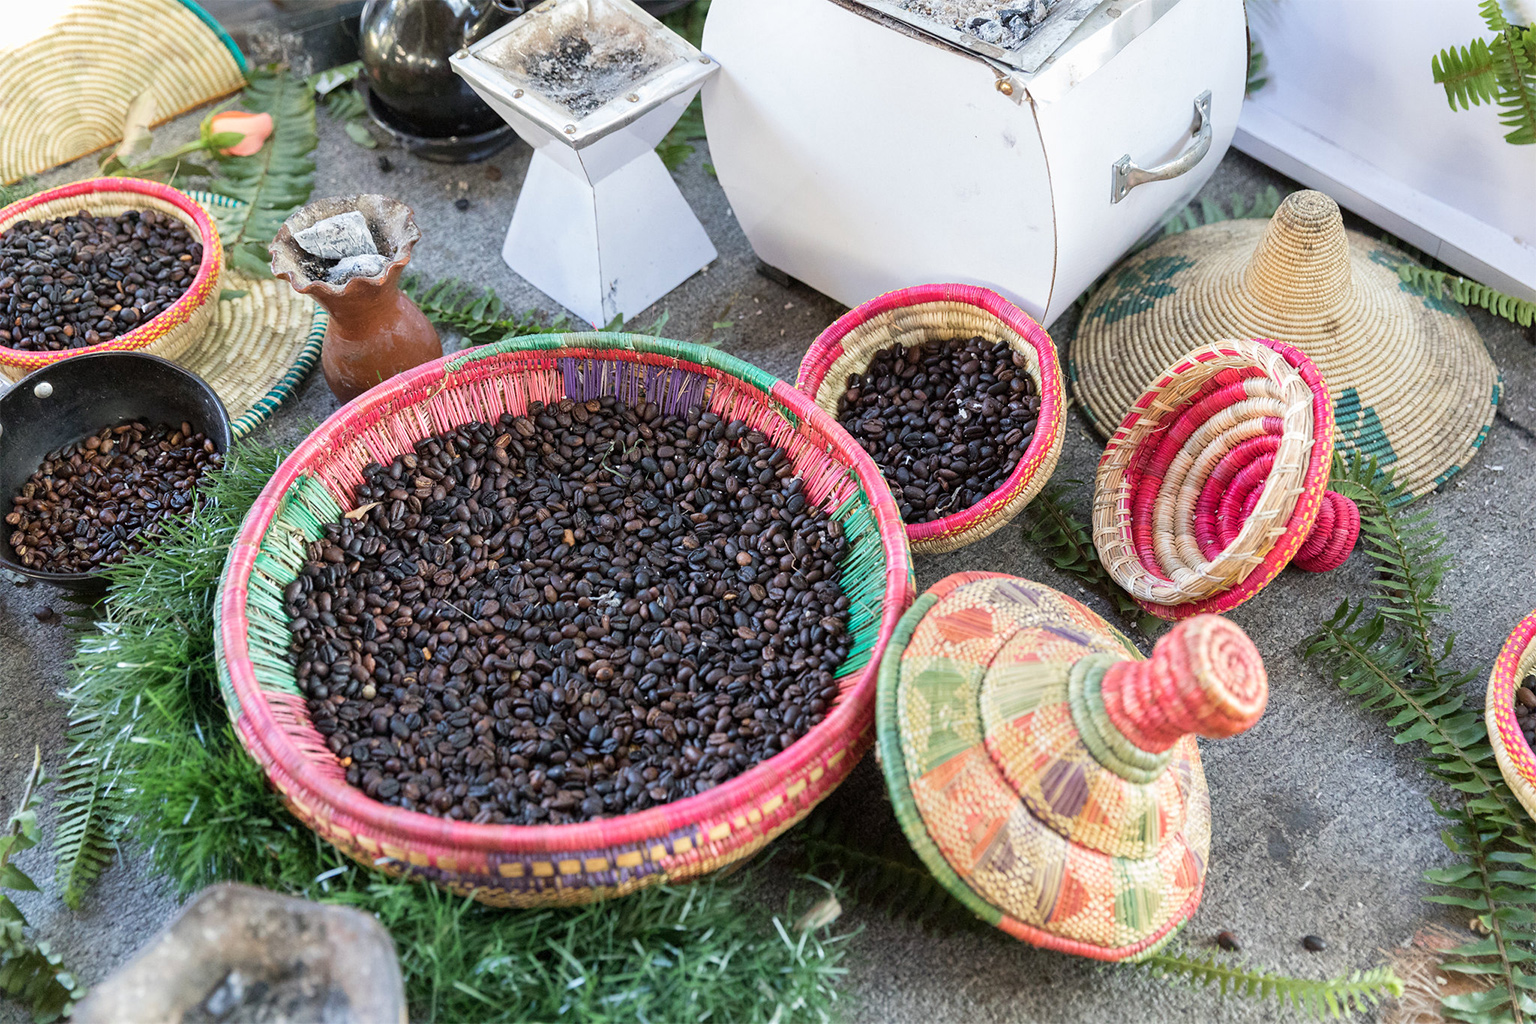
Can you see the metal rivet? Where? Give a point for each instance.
(43, 390)
(703, 60)
(517, 94)
(633, 97)
(1005, 87)
(570, 129)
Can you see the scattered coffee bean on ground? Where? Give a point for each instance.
(94, 502)
(1313, 943)
(82, 280)
(1525, 708)
(1228, 942)
(577, 613)
(946, 421)
(46, 615)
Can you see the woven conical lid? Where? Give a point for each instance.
(1411, 381)
(1048, 776)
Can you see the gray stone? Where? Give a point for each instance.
(369, 264)
(338, 237)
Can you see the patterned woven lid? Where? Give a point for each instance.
(1215, 481)
(1047, 774)
(1412, 384)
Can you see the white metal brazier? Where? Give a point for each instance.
(864, 151)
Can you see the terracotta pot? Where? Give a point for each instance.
(375, 331)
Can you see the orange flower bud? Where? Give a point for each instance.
(255, 128)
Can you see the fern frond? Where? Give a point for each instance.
(476, 314)
(1356, 992)
(87, 814)
(1467, 74)
(1067, 544)
(1439, 284)
(1498, 71)
(276, 180)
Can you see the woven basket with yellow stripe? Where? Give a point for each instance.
(1510, 748)
(511, 865)
(172, 332)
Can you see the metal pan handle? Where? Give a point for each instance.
(1127, 175)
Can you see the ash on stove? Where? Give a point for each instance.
(1008, 25)
(583, 68)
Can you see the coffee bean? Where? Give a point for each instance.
(46, 615)
(1525, 695)
(82, 280)
(461, 204)
(946, 421)
(1313, 943)
(94, 502)
(571, 614)
(1228, 942)
(385, 164)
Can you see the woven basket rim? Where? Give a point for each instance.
(1303, 515)
(810, 378)
(198, 289)
(898, 785)
(1517, 761)
(853, 712)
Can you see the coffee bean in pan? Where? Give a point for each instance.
(946, 421)
(93, 502)
(83, 279)
(577, 613)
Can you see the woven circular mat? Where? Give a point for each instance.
(66, 92)
(1411, 381)
(260, 346)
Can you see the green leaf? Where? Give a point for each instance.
(12, 877)
(359, 133)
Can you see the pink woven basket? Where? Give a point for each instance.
(513, 865)
(1217, 479)
(1510, 748)
(169, 333)
(912, 316)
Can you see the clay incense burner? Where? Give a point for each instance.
(375, 330)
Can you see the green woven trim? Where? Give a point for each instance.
(218, 30)
(287, 385)
(888, 747)
(1101, 736)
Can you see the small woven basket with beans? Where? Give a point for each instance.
(949, 313)
(1216, 480)
(169, 333)
(526, 384)
(1516, 664)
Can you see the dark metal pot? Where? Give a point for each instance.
(71, 400)
(405, 46)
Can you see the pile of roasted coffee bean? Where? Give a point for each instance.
(82, 279)
(946, 421)
(577, 613)
(1525, 708)
(94, 502)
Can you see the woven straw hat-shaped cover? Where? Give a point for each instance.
(1516, 661)
(1045, 773)
(1216, 480)
(948, 312)
(171, 332)
(514, 865)
(1412, 384)
(67, 92)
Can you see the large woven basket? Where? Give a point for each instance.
(1516, 760)
(510, 865)
(171, 332)
(913, 316)
(1216, 480)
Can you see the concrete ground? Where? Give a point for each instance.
(1321, 823)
